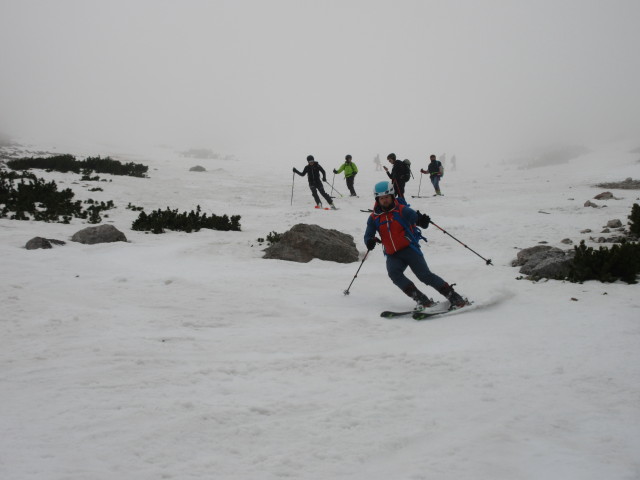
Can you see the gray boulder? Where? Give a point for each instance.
(99, 234)
(38, 242)
(614, 223)
(41, 242)
(305, 242)
(553, 267)
(543, 261)
(604, 196)
(526, 254)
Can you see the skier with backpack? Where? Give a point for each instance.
(350, 172)
(400, 173)
(397, 224)
(435, 171)
(316, 175)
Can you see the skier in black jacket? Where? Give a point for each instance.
(316, 175)
(399, 174)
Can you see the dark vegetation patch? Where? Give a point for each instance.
(627, 184)
(272, 238)
(23, 196)
(620, 262)
(159, 220)
(68, 163)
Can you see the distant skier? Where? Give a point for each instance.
(350, 172)
(396, 223)
(453, 163)
(376, 160)
(435, 171)
(399, 174)
(316, 175)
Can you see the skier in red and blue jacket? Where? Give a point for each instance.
(397, 223)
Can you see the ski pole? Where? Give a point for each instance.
(292, 184)
(420, 185)
(444, 231)
(332, 180)
(346, 292)
(333, 188)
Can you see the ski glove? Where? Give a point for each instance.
(371, 243)
(335, 171)
(423, 220)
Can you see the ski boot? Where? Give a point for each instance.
(422, 301)
(455, 300)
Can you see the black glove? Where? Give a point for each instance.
(294, 170)
(371, 243)
(423, 220)
(324, 179)
(335, 171)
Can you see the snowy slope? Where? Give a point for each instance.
(189, 356)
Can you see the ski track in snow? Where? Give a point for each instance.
(189, 356)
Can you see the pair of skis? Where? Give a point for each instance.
(427, 313)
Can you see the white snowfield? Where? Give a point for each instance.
(188, 356)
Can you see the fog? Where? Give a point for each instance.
(276, 80)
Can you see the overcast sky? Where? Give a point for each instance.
(280, 79)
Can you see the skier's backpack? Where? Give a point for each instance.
(406, 176)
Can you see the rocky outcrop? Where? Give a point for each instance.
(604, 196)
(41, 242)
(99, 234)
(305, 242)
(543, 261)
(615, 223)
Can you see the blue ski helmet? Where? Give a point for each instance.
(383, 188)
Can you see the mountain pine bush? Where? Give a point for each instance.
(272, 238)
(620, 262)
(159, 220)
(68, 163)
(23, 196)
(634, 220)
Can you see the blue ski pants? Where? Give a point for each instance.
(409, 257)
(435, 181)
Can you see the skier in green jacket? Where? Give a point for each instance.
(350, 172)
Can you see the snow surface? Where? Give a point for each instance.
(182, 356)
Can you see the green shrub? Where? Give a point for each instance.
(634, 220)
(130, 206)
(94, 209)
(23, 196)
(159, 220)
(273, 237)
(68, 163)
(620, 262)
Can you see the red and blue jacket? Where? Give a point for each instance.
(397, 227)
